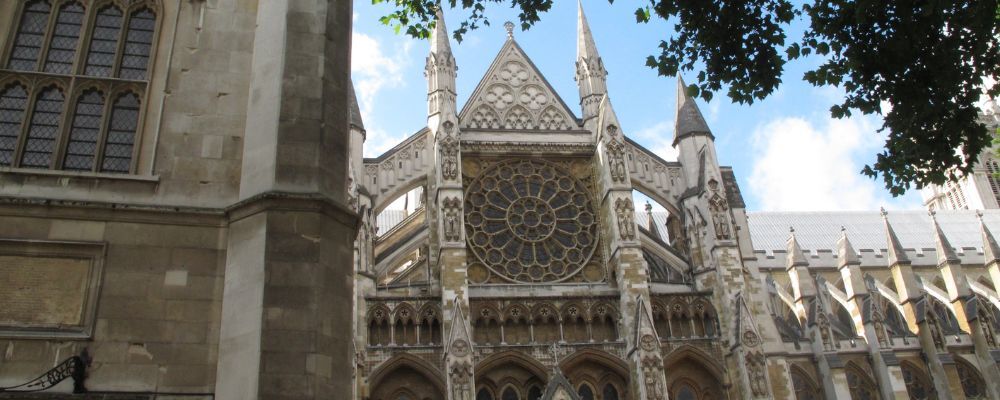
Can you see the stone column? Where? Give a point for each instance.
(286, 328)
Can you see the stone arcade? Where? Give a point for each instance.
(181, 189)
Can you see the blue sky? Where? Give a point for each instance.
(788, 154)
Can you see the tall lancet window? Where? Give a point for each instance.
(13, 103)
(40, 142)
(30, 36)
(65, 38)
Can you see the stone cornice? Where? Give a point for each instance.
(176, 215)
(289, 201)
(529, 148)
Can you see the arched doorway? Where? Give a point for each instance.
(406, 377)
(596, 375)
(510, 375)
(693, 375)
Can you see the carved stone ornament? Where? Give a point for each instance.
(824, 330)
(750, 339)
(452, 219)
(626, 218)
(461, 381)
(647, 342)
(755, 372)
(616, 160)
(460, 348)
(652, 371)
(449, 152)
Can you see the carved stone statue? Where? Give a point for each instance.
(461, 377)
(616, 160)
(626, 219)
(449, 158)
(452, 221)
(756, 374)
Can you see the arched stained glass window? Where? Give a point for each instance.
(917, 385)
(13, 102)
(65, 39)
(138, 45)
(510, 394)
(860, 386)
(610, 392)
(804, 388)
(685, 392)
(972, 383)
(484, 394)
(586, 393)
(43, 129)
(104, 42)
(121, 134)
(85, 131)
(30, 36)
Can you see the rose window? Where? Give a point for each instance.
(530, 221)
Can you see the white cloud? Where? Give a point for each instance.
(803, 166)
(657, 138)
(374, 70)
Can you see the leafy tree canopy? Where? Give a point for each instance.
(920, 64)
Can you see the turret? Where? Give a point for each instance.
(591, 77)
(440, 72)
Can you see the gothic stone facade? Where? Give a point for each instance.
(182, 192)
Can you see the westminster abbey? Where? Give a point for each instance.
(186, 214)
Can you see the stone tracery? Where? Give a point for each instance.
(530, 221)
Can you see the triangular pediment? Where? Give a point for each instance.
(513, 95)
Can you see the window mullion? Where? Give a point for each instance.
(102, 137)
(29, 113)
(65, 125)
(83, 42)
(43, 52)
(122, 38)
(137, 135)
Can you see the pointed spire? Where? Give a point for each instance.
(796, 258)
(439, 37)
(650, 222)
(991, 251)
(689, 120)
(845, 252)
(591, 77)
(355, 117)
(585, 46)
(896, 253)
(945, 252)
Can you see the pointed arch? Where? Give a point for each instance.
(511, 368)
(604, 322)
(574, 321)
(803, 385)
(104, 39)
(485, 324)
(972, 381)
(517, 324)
(410, 371)
(859, 382)
(518, 117)
(513, 357)
(918, 383)
(545, 322)
(689, 354)
(552, 119)
(595, 366)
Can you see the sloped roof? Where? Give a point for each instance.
(821, 230)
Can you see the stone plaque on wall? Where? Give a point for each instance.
(48, 288)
